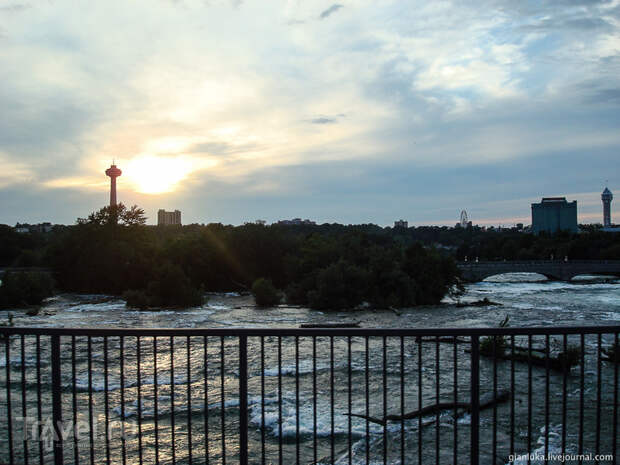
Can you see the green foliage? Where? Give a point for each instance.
(25, 288)
(265, 294)
(339, 286)
(113, 215)
(169, 288)
(493, 345)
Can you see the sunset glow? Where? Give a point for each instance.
(156, 175)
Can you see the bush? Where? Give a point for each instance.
(170, 288)
(341, 285)
(265, 294)
(487, 343)
(136, 299)
(25, 288)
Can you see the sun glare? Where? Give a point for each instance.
(156, 174)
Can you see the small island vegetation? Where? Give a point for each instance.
(329, 266)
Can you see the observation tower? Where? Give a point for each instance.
(607, 197)
(114, 173)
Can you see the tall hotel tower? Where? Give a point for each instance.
(607, 197)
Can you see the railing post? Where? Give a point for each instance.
(243, 400)
(475, 400)
(56, 400)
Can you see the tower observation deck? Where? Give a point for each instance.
(113, 172)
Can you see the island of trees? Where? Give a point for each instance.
(329, 266)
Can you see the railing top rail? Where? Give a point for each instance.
(360, 332)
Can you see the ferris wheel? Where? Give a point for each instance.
(464, 219)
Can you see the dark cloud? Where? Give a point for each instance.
(332, 9)
(14, 8)
(323, 120)
(605, 96)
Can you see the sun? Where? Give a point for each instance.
(152, 174)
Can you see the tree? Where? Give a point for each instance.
(265, 294)
(115, 215)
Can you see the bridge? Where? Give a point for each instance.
(22, 269)
(557, 270)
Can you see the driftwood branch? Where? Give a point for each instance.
(355, 324)
(485, 402)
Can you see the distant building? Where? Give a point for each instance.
(401, 224)
(295, 221)
(607, 197)
(165, 218)
(554, 214)
(33, 228)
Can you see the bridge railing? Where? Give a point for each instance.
(257, 395)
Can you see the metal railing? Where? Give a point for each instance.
(483, 395)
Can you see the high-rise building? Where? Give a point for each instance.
(554, 214)
(114, 173)
(607, 197)
(167, 218)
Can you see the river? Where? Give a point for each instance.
(527, 301)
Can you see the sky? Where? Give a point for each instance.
(352, 112)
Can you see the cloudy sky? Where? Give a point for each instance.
(355, 112)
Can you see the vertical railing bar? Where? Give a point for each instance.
(280, 455)
(367, 404)
(314, 412)
(598, 396)
(122, 376)
(206, 396)
(155, 401)
(56, 399)
(262, 398)
(90, 400)
(139, 393)
(581, 397)
(437, 400)
(529, 397)
(172, 416)
(106, 399)
(402, 400)
(419, 400)
(222, 400)
(331, 394)
(475, 400)
(512, 394)
(384, 364)
(456, 398)
(494, 447)
(547, 361)
(24, 400)
(189, 401)
(565, 370)
(7, 351)
(76, 454)
(243, 400)
(349, 388)
(297, 445)
(39, 406)
(614, 449)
